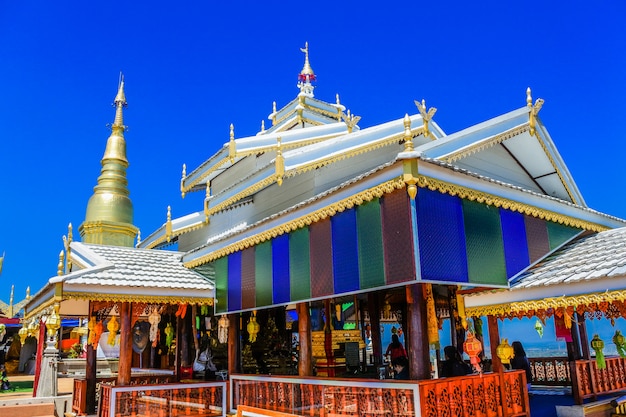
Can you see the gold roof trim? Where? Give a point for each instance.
(492, 200)
(387, 187)
(309, 167)
(498, 139)
(331, 210)
(175, 233)
(546, 304)
(162, 299)
(46, 304)
(480, 146)
(286, 146)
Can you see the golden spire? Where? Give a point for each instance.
(306, 75)
(232, 146)
(306, 69)
(182, 181)
(109, 217)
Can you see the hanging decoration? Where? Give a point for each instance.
(460, 305)
(98, 328)
(154, 319)
(478, 326)
(222, 329)
(505, 351)
(182, 311)
(204, 310)
(386, 311)
(473, 347)
(598, 345)
(539, 328)
(253, 328)
(169, 335)
(112, 326)
(620, 343)
(23, 333)
(431, 315)
(3, 330)
(91, 325)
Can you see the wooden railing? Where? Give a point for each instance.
(486, 395)
(205, 399)
(79, 399)
(550, 371)
(589, 381)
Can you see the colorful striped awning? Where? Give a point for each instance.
(372, 246)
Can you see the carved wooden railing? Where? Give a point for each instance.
(205, 399)
(79, 399)
(550, 371)
(486, 395)
(589, 381)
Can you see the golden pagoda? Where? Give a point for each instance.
(109, 217)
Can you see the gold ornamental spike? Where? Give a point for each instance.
(408, 136)
(533, 110)
(168, 224)
(306, 69)
(232, 147)
(280, 163)
(182, 180)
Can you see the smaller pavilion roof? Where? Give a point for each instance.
(590, 269)
(114, 273)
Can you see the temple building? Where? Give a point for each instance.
(315, 233)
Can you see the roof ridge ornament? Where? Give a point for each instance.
(350, 120)
(533, 110)
(427, 115)
(307, 75)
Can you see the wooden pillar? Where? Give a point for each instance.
(494, 341)
(126, 344)
(183, 342)
(90, 377)
(373, 308)
(233, 344)
(419, 356)
(584, 337)
(305, 354)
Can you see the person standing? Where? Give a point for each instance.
(454, 364)
(395, 349)
(520, 361)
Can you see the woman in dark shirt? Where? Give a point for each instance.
(520, 360)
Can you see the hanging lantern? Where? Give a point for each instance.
(222, 329)
(620, 343)
(169, 335)
(253, 328)
(23, 333)
(154, 319)
(505, 352)
(91, 326)
(473, 347)
(539, 328)
(32, 328)
(598, 345)
(53, 323)
(113, 326)
(98, 328)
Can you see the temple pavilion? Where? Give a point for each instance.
(316, 232)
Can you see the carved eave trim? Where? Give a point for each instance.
(387, 187)
(392, 139)
(328, 211)
(175, 233)
(192, 185)
(516, 309)
(492, 200)
(491, 142)
(160, 299)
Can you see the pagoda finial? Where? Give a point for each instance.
(408, 136)
(182, 181)
(232, 147)
(307, 75)
(262, 125)
(168, 224)
(138, 238)
(207, 198)
(119, 103)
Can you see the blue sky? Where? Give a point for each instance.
(192, 68)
